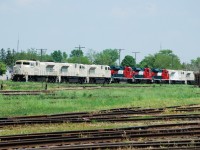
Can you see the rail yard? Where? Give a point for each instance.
(122, 116)
(99, 75)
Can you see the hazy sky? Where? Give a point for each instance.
(134, 25)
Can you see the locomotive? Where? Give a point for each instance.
(131, 75)
(143, 75)
(174, 76)
(160, 75)
(28, 70)
(122, 74)
(147, 75)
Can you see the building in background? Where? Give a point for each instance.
(7, 75)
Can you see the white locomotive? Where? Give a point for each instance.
(180, 76)
(28, 70)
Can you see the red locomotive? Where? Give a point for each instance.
(130, 75)
(160, 75)
(122, 74)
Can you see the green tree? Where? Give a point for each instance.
(64, 54)
(3, 55)
(187, 66)
(148, 61)
(76, 56)
(195, 63)
(128, 61)
(92, 55)
(76, 53)
(107, 57)
(57, 56)
(20, 55)
(2, 68)
(162, 59)
(31, 54)
(9, 58)
(47, 58)
(166, 59)
(82, 60)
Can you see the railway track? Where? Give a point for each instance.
(152, 136)
(161, 145)
(38, 92)
(25, 92)
(98, 87)
(113, 115)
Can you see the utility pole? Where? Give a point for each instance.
(18, 43)
(160, 46)
(41, 52)
(120, 54)
(79, 48)
(135, 56)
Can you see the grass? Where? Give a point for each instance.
(88, 100)
(94, 100)
(38, 128)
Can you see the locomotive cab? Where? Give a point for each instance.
(22, 69)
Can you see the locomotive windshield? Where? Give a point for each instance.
(24, 63)
(18, 63)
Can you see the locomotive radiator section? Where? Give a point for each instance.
(197, 79)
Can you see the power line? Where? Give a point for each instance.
(41, 52)
(120, 54)
(135, 56)
(79, 48)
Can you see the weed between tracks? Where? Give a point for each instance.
(41, 128)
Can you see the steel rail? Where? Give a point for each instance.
(186, 144)
(45, 139)
(83, 141)
(135, 128)
(112, 115)
(90, 118)
(15, 91)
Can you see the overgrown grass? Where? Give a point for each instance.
(94, 100)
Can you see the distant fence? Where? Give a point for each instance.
(197, 79)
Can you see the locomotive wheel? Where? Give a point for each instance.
(81, 80)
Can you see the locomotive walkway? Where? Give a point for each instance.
(163, 136)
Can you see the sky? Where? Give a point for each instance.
(144, 26)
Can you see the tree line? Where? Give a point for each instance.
(162, 59)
